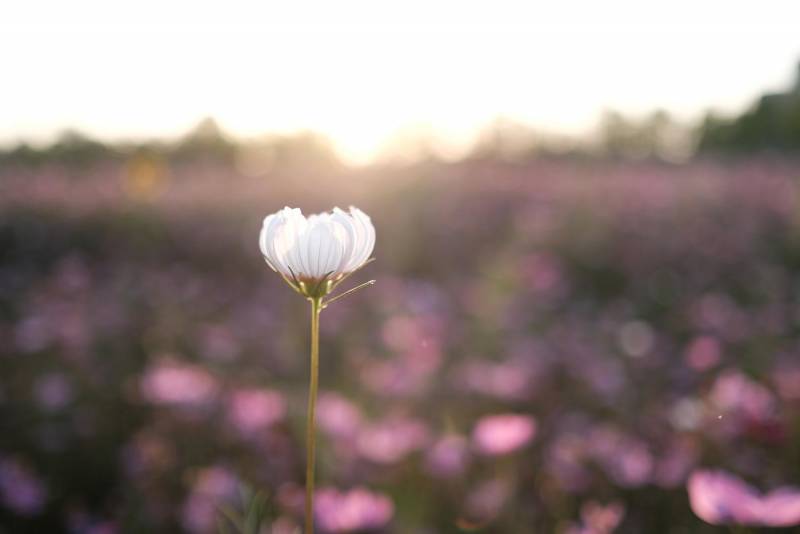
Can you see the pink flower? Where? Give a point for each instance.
(448, 456)
(355, 510)
(391, 440)
(53, 392)
(21, 490)
(787, 381)
(599, 519)
(625, 459)
(510, 379)
(487, 499)
(251, 410)
(504, 433)
(734, 392)
(675, 463)
(703, 353)
(338, 416)
(212, 486)
(174, 383)
(602, 519)
(723, 499)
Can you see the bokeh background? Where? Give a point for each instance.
(588, 265)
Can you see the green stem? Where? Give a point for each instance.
(311, 441)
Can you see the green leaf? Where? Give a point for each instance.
(232, 516)
(222, 526)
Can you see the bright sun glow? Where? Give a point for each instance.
(368, 73)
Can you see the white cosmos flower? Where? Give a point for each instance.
(318, 249)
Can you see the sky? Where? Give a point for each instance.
(370, 73)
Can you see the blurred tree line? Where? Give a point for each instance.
(205, 143)
(771, 123)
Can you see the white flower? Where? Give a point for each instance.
(313, 254)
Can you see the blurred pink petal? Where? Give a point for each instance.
(735, 392)
(543, 272)
(394, 377)
(337, 416)
(212, 487)
(177, 383)
(251, 410)
(351, 511)
(21, 490)
(703, 353)
(781, 507)
(53, 391)
(625, 459)
(284, 525)
(600, 519)
(787, 381)
(486, 500)
(510, 379)
(565, 461)
(391, 440)
(504, 433)
(674, 464)
(448, 456)
(723, 499)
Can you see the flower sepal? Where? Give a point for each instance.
(313, 289)
(319, 289)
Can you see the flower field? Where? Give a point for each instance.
(561, 346)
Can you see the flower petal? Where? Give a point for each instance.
(366, 243)
(324, 249)
(350, 237)
(323, 244)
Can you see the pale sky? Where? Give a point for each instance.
(364, 72)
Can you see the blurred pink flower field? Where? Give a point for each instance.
(550, 347)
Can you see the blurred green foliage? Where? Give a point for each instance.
(772, 123)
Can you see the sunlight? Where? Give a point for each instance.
(367, 76)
